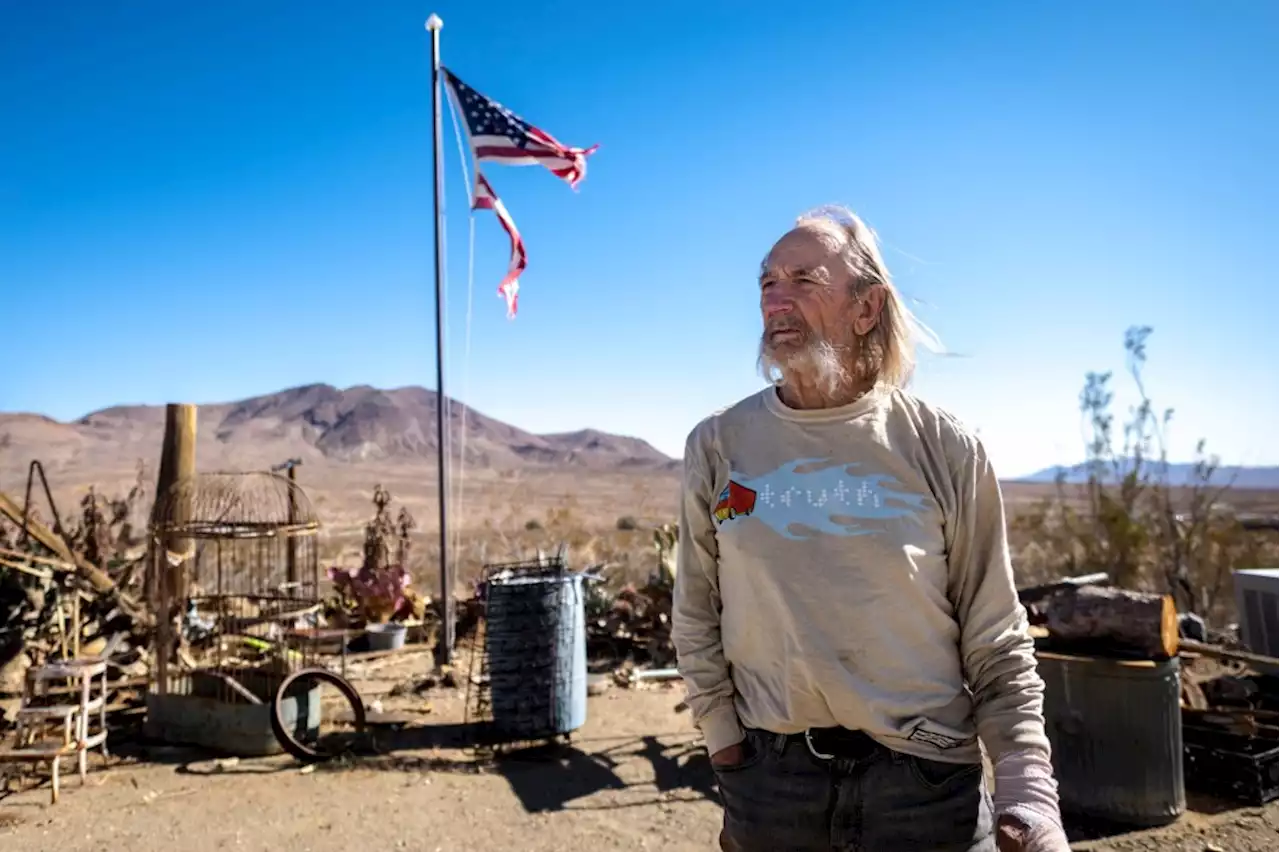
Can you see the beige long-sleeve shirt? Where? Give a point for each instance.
(850, 567)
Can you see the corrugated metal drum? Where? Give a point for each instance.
(1116, 731)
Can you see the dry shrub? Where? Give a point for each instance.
(1130, 520)
(112, 530)
(109, 532)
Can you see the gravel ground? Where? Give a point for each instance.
(635, 778)
(1237, 830)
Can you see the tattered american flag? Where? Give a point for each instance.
(487, 199)
(498, 135)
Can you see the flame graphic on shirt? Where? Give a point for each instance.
(808, 496)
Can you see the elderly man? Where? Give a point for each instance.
(845, 615)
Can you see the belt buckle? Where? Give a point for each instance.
(808, 741)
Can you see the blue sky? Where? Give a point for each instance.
(207, 201)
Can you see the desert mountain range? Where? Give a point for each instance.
(327, 427)
(1233, 476)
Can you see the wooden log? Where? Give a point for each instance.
(1113, 619)
(1034, 594)
(1259, 662)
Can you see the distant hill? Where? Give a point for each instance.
(1258, 478)
(318, 423)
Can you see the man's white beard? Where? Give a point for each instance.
(819, 361)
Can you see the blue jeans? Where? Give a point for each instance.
(782, 798)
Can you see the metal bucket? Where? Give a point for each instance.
(536, 644)
(1116, 731)
(385, 637)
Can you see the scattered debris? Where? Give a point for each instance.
(49, 611)
(66, 594)
(1230, 733)
(633, 628)
(444, 678)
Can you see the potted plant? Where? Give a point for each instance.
(377, 595)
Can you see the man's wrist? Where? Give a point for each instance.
(1025, 788)
(721, 729)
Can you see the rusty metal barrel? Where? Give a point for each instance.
(1116, 731)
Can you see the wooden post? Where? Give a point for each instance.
(177, 462)
(169, 582)
(291, 546)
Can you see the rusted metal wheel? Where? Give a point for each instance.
(308, 752)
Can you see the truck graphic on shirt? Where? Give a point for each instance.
(734, 500)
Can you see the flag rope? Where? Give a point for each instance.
(457, 478)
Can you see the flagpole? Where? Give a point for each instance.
(444, 643)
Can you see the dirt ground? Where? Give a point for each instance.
(634, 778)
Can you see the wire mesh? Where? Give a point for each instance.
(528, 674)
(235, 585)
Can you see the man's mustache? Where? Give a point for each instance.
(785, 323)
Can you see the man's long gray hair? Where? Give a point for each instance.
(886, 354)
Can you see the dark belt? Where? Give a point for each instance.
(837, 744)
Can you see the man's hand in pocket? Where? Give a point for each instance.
(729, 756)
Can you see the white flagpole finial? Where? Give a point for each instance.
(434, 23)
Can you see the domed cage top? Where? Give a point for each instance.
(234, 584)
(254, 504)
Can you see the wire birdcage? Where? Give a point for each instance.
(234, 584)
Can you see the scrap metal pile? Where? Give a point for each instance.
(630, 632)
(1226, 712)
(635, 628)
(67, 593)
(1230, 733)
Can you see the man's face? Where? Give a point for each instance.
(806, 297)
